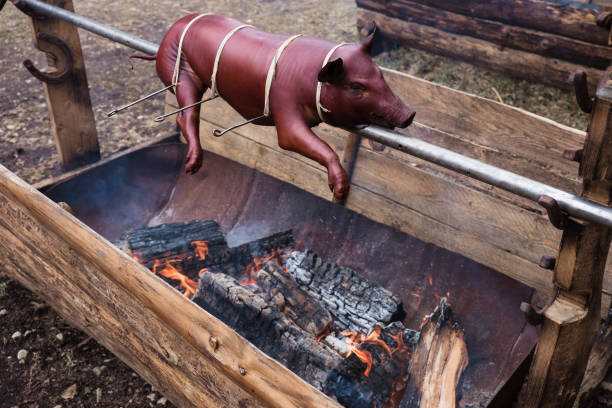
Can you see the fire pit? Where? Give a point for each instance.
(148, 188)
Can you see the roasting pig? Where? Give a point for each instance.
(352, 91)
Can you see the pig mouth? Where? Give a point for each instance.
(381, 120)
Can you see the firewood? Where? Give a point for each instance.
(194, 245)
(266, 327)
(356, 304)
(180, 240)
(297, 305)
(438, 362)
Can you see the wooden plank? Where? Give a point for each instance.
(498, 33)
(76, 140)
(514, 62)
(111, 315)
(546, 16)
(33, 218)
(510, 131)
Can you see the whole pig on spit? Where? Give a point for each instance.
(293, 83)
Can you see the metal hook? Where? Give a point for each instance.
(115, 111)
(219, 133)
(52, 76)
(162, 117)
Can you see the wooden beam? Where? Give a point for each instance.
(153, 328)
(572, 320)
(561, 19)
(518, 63)
(67, 95)
(501, 34)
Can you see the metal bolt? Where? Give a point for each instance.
(214, 343)
(242, 371)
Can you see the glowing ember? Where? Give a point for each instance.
(430, 281)
(202, 272)
(356, 339)
(200, 248)
(170, 271)
(249, 282)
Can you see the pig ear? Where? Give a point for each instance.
(367, 43)
(332, 72)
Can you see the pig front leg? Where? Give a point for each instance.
(295, 135)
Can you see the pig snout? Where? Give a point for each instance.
(406, 118)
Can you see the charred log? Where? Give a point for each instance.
(356, 304)
(266, 327)
(438, 362)
(278, 288)
(385, 378)
(192, 246)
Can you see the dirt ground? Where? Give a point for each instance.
(62, 368)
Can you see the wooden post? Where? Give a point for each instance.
(572, 320)
(66, 90)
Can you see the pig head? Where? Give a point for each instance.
(353, 90)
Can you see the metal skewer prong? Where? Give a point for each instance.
(219, 133)
(114, 111)
(162, 117)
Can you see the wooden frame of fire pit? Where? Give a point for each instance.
(133, 313)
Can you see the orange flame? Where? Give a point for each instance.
(202, 272)
(249, 282)
(430, 280)
(356, 339)
(200, 249)
(257, 263)
(172, 272)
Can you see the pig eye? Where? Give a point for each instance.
(355, 86)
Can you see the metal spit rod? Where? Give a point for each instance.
(573, 205)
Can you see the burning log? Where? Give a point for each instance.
(438, 362)
(183, 251)
(266, 327)
(296, 304)
(356, 304)
(198, 244)
(387, 353)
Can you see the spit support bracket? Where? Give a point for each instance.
(59, 53)
(557, 217)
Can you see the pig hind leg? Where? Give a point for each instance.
(189, 90)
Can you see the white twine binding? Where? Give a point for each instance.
(213, 78)
(272, 72)
(175, 74)
(321, 108)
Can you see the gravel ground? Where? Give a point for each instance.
(62, 368)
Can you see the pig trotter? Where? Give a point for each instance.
(338, 180)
